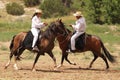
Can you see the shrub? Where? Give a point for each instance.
(53, 8)
(14, 9)
(30, 3)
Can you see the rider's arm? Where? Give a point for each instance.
(37, 23)
(80, 25)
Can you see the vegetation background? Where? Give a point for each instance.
(103, 20)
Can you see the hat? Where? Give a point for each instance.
(78, 13)
(38, 11)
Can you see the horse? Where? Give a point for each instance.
(45, 44)
(92, 43)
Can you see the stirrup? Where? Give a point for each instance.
(69, 50)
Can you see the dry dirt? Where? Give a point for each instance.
(68, 72)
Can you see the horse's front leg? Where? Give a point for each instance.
(36, 59)
(66, 58)
(52, 56)
(61, 62)
(63, 57)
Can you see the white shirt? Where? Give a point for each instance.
(36, 23)
(80, 25)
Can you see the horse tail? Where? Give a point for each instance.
(11, 44)
(106, 52)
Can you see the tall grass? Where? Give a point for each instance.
(8, 29)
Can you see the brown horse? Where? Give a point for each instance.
(92, 43)
(46, 43)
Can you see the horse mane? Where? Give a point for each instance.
(47, 33)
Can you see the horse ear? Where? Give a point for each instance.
(60, 20)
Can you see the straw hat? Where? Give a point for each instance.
(38, 11)
(78, 13)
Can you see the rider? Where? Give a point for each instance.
(36, 26)
(79, 27)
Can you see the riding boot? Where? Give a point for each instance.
(73, 51)
(35, 49)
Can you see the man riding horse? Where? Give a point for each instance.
(79, 27)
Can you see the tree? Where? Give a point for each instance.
(103, 11)
(67, 3)
(14, 9)
(53, 8)
(30, 3)
(113, 11)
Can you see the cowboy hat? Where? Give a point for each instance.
(78, 13)
(38, 11)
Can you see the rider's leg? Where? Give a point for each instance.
(35, 34)
(73, 39)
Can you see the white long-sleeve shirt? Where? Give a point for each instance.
(36, 23)
(80, 25)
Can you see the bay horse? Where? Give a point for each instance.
(46, 44)
(92, 43)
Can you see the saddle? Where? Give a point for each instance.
(27, 43)
(79, 42)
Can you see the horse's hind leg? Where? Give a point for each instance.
(15, 63)
(104, 58)
(16, 57)
(95, 57)
(20, 52)
(52, 56)
(8, 63)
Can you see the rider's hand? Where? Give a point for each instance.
(70, 25)
(45, 24)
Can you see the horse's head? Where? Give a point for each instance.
(58, 27)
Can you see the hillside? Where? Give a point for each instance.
(9, 18)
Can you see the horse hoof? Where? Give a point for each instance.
(107, 68)
(15, 68)
(55, 66)
(5, 67)
(74, 64)
(59, 66)
(33, 70)
(79, 67)
(55, 69)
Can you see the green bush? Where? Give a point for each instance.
(53, 8)
(99, 11)
(14, 9)
(30, 3)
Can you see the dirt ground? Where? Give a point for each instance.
(45, 67)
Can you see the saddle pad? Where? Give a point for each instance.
(28, 40)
